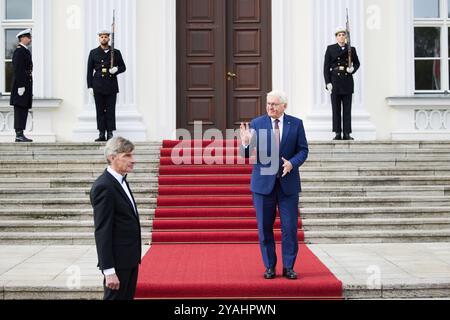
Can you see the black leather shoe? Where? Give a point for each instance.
(101, 137)
(338, 137)
(20, 137)
(110, 135)
(348, 137)
(289, 274)
(269, 274)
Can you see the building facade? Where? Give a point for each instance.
(213, 60)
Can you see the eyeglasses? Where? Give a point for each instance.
(274, 104)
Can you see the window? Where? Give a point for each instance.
(16, 16)
(432, 45)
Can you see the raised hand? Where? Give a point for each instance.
(245, 133)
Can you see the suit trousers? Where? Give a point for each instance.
(20, 118)
(106, 111)
(342, 112)
(128, 281)
(266, 211)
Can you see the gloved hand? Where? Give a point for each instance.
(350, 70)
(113, 70)
(91, 91)
(21, 91)
(330, 88)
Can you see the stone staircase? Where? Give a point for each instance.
(358, 192)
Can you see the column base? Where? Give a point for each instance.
(318, 127)
(129, 126)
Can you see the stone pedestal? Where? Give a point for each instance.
(40, 120)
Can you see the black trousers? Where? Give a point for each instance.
(20, 118)
(342, 112)
(106, 111)
(128, 281)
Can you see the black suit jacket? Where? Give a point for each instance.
(117, 226)
(342, 81)
(22, 78)
(101, 82)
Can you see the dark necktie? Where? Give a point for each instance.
(277, 134)
(124, 179)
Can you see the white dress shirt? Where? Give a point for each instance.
(280, 125)
(119, 179)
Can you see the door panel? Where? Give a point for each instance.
(223, 61)
(200, 52)
(249, 45)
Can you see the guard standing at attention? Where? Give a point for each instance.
(105, 63)
(338, 73)
(22, 86)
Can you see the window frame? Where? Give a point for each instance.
(443, 23)
(11, 24)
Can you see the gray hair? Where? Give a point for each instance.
(279, 94)
(117, 145)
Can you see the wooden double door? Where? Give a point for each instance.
(224, 68)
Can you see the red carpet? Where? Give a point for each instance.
(205, 238)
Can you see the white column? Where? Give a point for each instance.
(326, 16)
(167, 120)
(42, 49)
(288, 54)
(98, 16)
(405, 47)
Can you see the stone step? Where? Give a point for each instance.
(380, 144)
(19, 172)
(375, 213)
(55, 238)
(378, 181)
(308, 225)
(314, 146)
(152, 150)
(352, 202)
(82, 203)
(307, 191)
(152, 181)
(351, 291)
(37, 215)
(71, 146)
(325, 144)
(82, 173)
(316, 237)
(61, 155)
(383, 236)
(308, 202)
(313, 157)
(99, 164)
(70, 182)
(57, 226)
(398, 224)
(428, 290)
(306, 213)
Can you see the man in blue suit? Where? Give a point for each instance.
(281, 148)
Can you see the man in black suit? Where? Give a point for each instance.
(339, 83)
(117, 226)
(103, 85)
(22, 86)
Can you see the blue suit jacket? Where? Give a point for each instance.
(293, 147)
